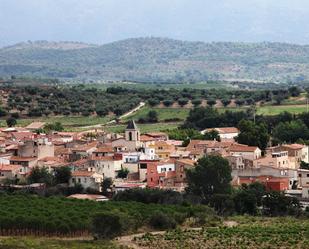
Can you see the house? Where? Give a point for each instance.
(131, 141)
(158, 136)
(158, 173)
(27, 163)
(51, 163)
(11, 172)
(88, 179)
(107, 166)
(90, 197)
(35, 126)
(236, 161)
(181, 166)
(266, 171)
(224, 132)
(270, 182)
(82, 151)
(296, 153)
(275, 159)
(162, 149)
(247, 152)
(105, 150)
(38, 147)
(303, 176)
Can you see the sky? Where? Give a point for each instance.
(104, 21)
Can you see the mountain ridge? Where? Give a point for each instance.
(154, 59)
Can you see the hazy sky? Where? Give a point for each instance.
(102, 21)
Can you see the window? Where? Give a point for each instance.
(307, 175)
(151, 179)
(130, 136)
(299, 175)
(85, 179)
(79, 181)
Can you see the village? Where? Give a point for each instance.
(150, 160)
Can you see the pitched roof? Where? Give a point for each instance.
(9, 167)
(186, 161)
(83, 173)
(22, 159)
(132, 125)
(225, 130)
(293, 146)
(35, 125)
(242, 148)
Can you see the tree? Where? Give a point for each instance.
(106, 225)
(196, 102)
(63, 175)
(226, 102)
(107, 185)
(40, 175)
(290, 132)
(123, 173)
(167, 102)
(183, 101)
(211, 102)
(294, 91)
(304, 165)
(276, 203)
(253, 134)
(212, 175)
(245, 202)
(152, 116)
(212, 135)
(11, 122)
(57, 126)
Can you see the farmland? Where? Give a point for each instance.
(48, 243)
(250, 233)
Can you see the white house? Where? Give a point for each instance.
(224, 132)
(88, 179)
(247, 152)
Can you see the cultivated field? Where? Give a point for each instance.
(250, 233)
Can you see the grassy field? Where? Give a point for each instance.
(252, 233)
(45, 243)
(274, 110)
(200, 85)
(163, 113)
(145, 127)
(69, 123)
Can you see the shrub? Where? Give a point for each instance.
(160, 220)
(106, 225)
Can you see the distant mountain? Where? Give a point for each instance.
(158, 60)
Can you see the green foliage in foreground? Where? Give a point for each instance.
(33, 215)
(39, 243)
(263, 233)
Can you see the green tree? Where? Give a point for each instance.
(57, 126)
(106, 225)
(290, 132)
(212, 135)
(123, 173)
(212, 175)
(40, 175)
(253, 134)
(11, 122)
(63, 174)
(304, 165)
(152, 116)
(107, 185)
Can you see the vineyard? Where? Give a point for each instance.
(264, 233)
(63, 217)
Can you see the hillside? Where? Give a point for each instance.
(158, 60)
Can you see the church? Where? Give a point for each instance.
(131, 141)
